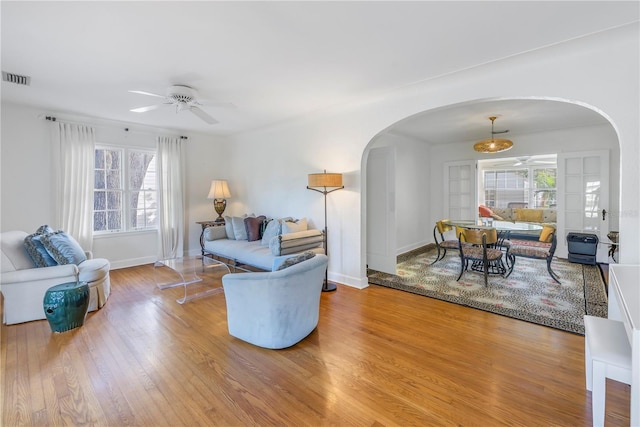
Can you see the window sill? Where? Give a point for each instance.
(116, 234)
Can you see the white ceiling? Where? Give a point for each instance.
(277, 61)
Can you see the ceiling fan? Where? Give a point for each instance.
(523, 161)
(183, 97)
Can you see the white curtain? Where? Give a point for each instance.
(170, 197)
(73, 162)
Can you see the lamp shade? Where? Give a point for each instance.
(493, 145)
(219, 190)
(325, 180)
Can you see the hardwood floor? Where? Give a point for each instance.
(379, 357)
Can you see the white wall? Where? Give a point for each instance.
(412, 191)
(267, 169)
(26, 179)
(599, 71)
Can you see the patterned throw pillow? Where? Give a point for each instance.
(296, 260)
(36, 250)
(63, 248)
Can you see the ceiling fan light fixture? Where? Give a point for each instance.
(493, 145)
(183, 97)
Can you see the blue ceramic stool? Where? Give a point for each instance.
(65, 305)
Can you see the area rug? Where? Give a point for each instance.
(528, 294)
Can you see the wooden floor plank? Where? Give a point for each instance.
(379, 357)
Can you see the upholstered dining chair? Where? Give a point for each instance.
(543, 248)
(478, 246)
(442, 243)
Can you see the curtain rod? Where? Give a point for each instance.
(55, 119)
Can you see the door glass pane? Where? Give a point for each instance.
(573, 166)
(573, 184)
(591, 165)
(453, 172)
(465, 172)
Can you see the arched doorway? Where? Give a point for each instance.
(422, 143)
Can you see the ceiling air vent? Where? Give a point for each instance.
(16, 78)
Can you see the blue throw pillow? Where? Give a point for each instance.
(63, 248)
(36, 250)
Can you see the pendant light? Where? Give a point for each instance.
(493, 145)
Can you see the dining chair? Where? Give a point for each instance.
(442, 243)
(478, 246)
(543, 248)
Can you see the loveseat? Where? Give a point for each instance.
(23, 284)
(542, 216)
(258, 242)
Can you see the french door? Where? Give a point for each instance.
(583, 198)
(460, 190)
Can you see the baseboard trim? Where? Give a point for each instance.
(354, 282)
(133, 262)
(409, 248)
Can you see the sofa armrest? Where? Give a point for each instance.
(290, 243)
(215, 233)
(36, 274)
(300, 235)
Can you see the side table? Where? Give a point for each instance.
(205, 225)
(65, 306)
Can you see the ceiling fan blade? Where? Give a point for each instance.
(145, 109)
(147, 93)
(204, 116)
(217, 104)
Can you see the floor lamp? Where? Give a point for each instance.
(325, 180)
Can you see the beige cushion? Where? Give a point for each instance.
(294, 227)
(529, 215)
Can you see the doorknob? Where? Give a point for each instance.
(604, 214)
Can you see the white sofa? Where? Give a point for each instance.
(240, 253)
(23, 285)
(275, 309)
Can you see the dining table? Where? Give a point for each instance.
(505, 227)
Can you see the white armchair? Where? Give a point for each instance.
(23, 285)
(275, 309)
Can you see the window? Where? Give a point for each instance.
(544, 187)
(528, 182)
(502, 187)
(125, 190)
